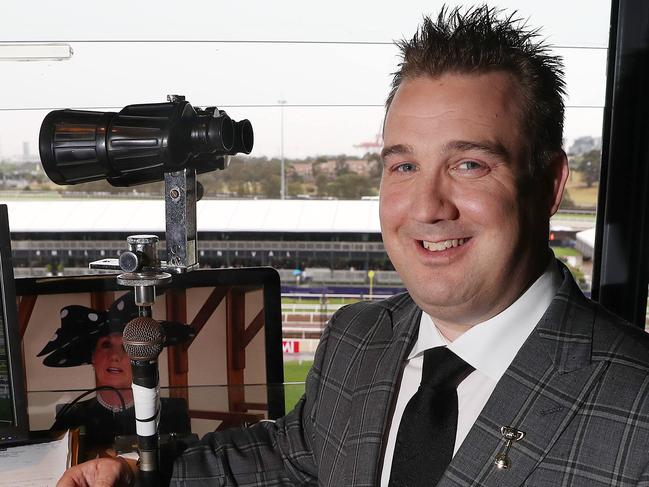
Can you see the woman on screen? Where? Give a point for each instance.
(89, 336)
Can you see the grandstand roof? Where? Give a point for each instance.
(587, 237)
(227, 215)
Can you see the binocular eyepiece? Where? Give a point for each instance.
(140, 143)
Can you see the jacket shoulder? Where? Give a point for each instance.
(574, 319)
(363, 315)
(617, 341)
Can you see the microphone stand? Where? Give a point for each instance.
(144, 271)
(143, 342)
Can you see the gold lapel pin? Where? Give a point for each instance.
(511, 435)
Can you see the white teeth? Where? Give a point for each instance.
(444, 244)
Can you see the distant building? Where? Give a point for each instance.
(358, 166)
(304, 169)
(327, 167)
(585, 243)
(584, 144)
(14, 183)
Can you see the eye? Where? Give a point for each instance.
(469, 166)
(405, 167)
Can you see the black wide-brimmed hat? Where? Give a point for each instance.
(81, 327)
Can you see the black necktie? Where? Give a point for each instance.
(426, 435)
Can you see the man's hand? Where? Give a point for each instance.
(102, 472)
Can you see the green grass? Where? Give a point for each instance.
(580, 194)
(584, 196)
(564, 251)
(295, 371)
(566, 215)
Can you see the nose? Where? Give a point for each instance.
(433, 199)
(117, 353)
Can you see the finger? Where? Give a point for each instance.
(72, 477)
(112, 472)
(102, 472)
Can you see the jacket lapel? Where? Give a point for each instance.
(378, 374)
(546, 384)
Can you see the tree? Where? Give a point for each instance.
(341, 165)
(270, 186)
(590, 166)
(322, 184)
(294, 188)
(566, 202)
(350, 186)
(375, 165)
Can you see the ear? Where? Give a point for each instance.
(558, 174)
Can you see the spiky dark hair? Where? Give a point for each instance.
(480, 40)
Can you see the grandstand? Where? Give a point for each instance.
(314, 242)
(339, 240)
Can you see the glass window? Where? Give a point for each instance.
(312, 78)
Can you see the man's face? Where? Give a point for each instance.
(112, 364)
(460, 221)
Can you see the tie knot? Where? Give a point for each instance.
(443, 369)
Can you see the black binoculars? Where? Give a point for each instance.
(140, 143)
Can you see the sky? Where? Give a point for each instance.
(329, 61)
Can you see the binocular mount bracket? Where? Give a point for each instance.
(142, 268)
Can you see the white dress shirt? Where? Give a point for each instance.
(490, 347)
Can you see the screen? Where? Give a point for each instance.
(13, 406)
(229, 372)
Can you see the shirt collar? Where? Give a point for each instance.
(490, 346)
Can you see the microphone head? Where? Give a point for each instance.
(143, 338)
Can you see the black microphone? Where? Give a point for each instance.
(143, 341)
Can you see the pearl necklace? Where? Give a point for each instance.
(110, 407)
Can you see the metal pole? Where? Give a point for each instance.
(282, 176)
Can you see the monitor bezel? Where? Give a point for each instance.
(19, 431)
(265, 278)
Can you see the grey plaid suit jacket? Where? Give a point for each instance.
(578, 388)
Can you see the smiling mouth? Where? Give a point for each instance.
(444, 244)
(114, 370)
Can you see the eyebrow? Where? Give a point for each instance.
(397, 149)
(491, 148)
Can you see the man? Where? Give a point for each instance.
(555, 390)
